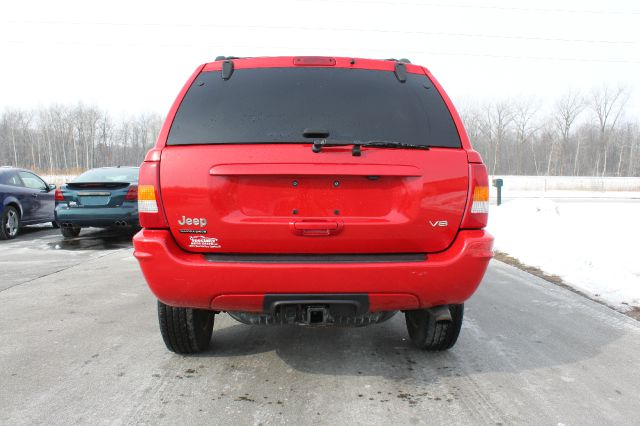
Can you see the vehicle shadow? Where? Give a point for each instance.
(96, 239)
(381, 349)
(498, 336)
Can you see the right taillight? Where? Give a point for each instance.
(132, 193)
(58, 195)
(150, 211)
(477, 213)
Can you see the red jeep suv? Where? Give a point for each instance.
(313, 191)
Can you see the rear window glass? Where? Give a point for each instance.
(10, 178)
(118, 174)
(276, 104)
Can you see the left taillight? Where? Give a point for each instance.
(58, 195)
(150, 210)
(132, 193)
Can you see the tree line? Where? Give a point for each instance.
(580, 134)
(63, 138)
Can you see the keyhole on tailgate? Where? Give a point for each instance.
(336, 183)
(294, 183)
(295, 211)
(336, 212)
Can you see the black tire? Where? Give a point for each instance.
(55, 224)
(430, 335)
(9, 223)
(70, 231)
(185, 330)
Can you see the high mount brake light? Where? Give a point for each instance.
(311, 61)
(58, 195)
(132, 193)
(477, 212)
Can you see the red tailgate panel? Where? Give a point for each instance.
(283, 198)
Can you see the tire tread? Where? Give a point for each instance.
(181, 331)
(430, 335)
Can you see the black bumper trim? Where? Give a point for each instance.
(316, 258)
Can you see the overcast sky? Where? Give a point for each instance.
(133, 56)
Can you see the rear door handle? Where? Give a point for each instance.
(34, 195)
(317, 228)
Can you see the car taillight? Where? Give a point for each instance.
(58, 195)
(477, 212)
(147, 199)
(150, 210)
(132, 193)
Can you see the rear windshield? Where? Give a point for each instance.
(277, 104)
(116, 174)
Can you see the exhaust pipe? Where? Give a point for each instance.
(121, 223)
(441, 313)
(66, 225)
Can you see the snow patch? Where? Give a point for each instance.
(591, 246)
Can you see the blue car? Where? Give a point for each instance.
(105, 197)
(25, 199)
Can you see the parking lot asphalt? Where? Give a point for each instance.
(79, 344)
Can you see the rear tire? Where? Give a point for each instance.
(9, 223)
(70, 232)
(185, 330)
(55, 224)
(430, 335)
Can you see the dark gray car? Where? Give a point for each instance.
(25, 199)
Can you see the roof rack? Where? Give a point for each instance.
(403, 60)
(224, 58)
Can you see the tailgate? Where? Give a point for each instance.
(283, 198)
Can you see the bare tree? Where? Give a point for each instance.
(525, 111)
(608, 106)
(566, 111)
(496, 123)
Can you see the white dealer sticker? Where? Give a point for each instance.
(203, 242)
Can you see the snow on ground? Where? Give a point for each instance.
(57, 179)
(511, 194)
(591, 246)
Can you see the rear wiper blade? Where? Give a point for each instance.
(394, 144)
(356, 152)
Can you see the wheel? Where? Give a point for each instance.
(55, 224)
(185, 330)
(431, 335)
(70, 231)
(10, 223)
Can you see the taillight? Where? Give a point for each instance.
(58, 195)
(147, 199)
(132, 193)
(477, 212)
(150, 211)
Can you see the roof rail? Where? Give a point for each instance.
(227, 69)
(225, 58)
(403, 60)
(400, 71)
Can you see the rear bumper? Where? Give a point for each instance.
(98, 217)
(184, 279)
